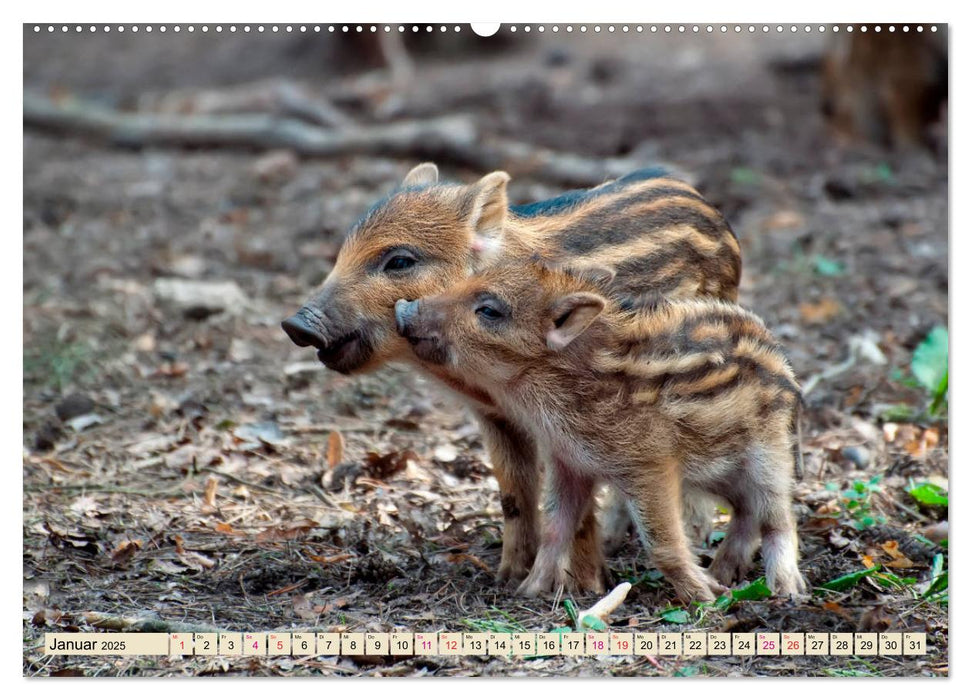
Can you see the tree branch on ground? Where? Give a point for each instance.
(456, 139)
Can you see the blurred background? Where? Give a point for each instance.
(185, 192)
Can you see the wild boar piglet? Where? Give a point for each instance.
(684, 397)
(657, 234)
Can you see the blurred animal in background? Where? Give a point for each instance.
(887, 88)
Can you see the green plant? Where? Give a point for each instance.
(928, 494)
(856, 502)
(929, 367)
(847, 581)
(928, 371)
(507, 624)
(57, 363)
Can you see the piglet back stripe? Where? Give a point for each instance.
(572, 198)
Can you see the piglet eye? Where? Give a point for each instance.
(488, 312)
(399, 262)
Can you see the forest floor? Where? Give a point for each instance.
(185, 464)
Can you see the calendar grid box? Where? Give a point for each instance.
(743, 644)
(572, 644)
(891, 644)
(352, 644)
(475, 643)
(767, 644)
(450, 644)
(621, 643)
(524, 644)
(518, 644)
(597, 643)
(915, 643)
(500, 644)
(793, 644)
(719, 644)
(206, 643)
(645, 643)
(181, 644)
(695, 643)
(278, 644)
(377, 643)
(328, 643)
(669, 643)
(303, 644)
(426, 644)
(254, 644)
(841, 644)
(402, 644)
(548, 644)
(865, 643)
(817, 644)
(230, 644)
(107, 644)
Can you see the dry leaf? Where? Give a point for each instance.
(144, 343)
(171, 369)
(227, 529)
(332, 558)
(335, 448)
(85, 505)
(875, 620)
(899, 561)
(196, 560)
(303, 608)
(471, 558)
(820, 312)
(446, 453)
(379, 466)
(212, 483)
(124, 552)
(289, 533)
(835, 607)
(784, 219)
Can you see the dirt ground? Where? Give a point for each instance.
(182, 461)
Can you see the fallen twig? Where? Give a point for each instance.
(455, 139)
(280, 98)
(101, 488)
(248, 130)
(602, 609)
(136, 624)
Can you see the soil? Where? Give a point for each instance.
(187, 467)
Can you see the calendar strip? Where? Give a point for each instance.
(519, 644)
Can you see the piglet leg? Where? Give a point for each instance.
(569, 496)
(518, 471)
(655, 495)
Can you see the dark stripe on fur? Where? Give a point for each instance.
(617, 225)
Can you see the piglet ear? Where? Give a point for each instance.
(488, 208)
(571, 316)
(600, 275)
(424, 174)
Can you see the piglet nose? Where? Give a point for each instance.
(302, 332)
(403, 312)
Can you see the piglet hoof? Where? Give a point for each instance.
(542, 582)
(594, 580)
(787, 581)
(510, 575)
(728, 569)
(589, 577)
(699, 588)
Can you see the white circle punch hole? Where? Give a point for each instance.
(485, 28)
